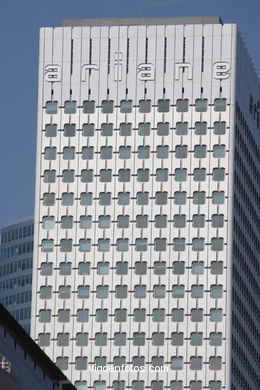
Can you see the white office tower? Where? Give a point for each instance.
(146, 199)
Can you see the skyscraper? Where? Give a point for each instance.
(147, 209)
(16, 258)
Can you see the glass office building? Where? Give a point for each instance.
(16, 263)
(147, 210)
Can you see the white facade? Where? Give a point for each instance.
(133, 219)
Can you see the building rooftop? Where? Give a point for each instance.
(141, 21)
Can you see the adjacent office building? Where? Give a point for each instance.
(16, 258)
(23, 365)
(147, 204)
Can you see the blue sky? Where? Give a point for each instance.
(20, 23)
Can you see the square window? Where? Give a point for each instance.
(198, 220)
(88, 130)
(103, 244)
(65, 245)
(200, 128)
(196, 315)
(197, 268)
(66, 222)
(217, 220)
(106, 152)
(82, 339)
(64, 315)
(125, 129)
(107, 129)
(44, 339)
(176, 385)
(124, 175)
(49, 176)
(218, 174)
(143, 175)
(82, 315)
(68, 153)
(159, 267)
(70, 107)
(120, 315)
(178, 267)
(199, 174)
(102, 292)
(163, 128)
(182, 105)
(159, 291)
(139, 338)
(215, 339)
(89, 106)
(68, 176)
(86, 199)
(120, 339)
(162, 152)
(65, 269)
(121, 268)
(122, 244)
(217, 244)
(87, 153)
(123, 221)
(177, 338)
(140, 267)
(104, 221)
(219, 128)
(158, 338)
(85, 222)
(83, 292)
(161, 198)
(50, 153)
(143, 152)
(45, 292)
(51, 107)
(179, 244)
(181, 151)
(196, 339)
(46, 269)
(81, 363)
(180, 197)
(103, 268)
(180, 174)
(121, 292)
(160, 244)
(45, 315)
(196, 363)
(161, 174)
(216, 291)
(124, 152)
(85, 245)
(139, 315)
(144, 129)
(215, 363)
(50, 130)
(105, 198)
(179, 221)
(219, 151)
(123, 198)
(200, 151)
(177, 363)
(177, 315)
(107, 106)
(218, 197)
(48, 222)
(178, 291)
(181, 128)
(201, 105)
(126, 106)
(141, 244)
(105, 175)
(220, 105)
(140, 291)
(84, 268)
(47, 245)
(64, 292)
(163, 105)
(62, 363)
(199, 197)
(160, 221)
(101, 339)
(144, 106)
(197, 291)
(69, 130)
